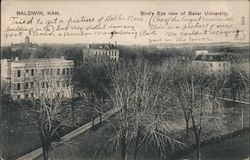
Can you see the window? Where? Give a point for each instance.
(67, 83)
(58, 71)
(26, 95)
(47, 71)
(64, 84)
(32, 95)
(26, 85)
(51, 71)
(43, 84)
(18, 96)
(32, 72)
(43, 71)
(26, 72)
(31, 84)
(224, 64)
(18, 86)
(211, 64)
(67, 70)
(63, 71)
(18, 73)
(219, 65)
(58, 83)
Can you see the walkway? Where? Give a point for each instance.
(38, 152)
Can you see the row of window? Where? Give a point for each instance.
(212, 64)
(110, 53)
(30, 85)
(51, 71)
(224, 64)
(26, 71)
(58, 71)
(27, 95)
(31, 95)
(58, 84)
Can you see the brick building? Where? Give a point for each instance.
(110, 50)
(213, 62)
(29, 78)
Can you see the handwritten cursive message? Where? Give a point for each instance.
(154, 26)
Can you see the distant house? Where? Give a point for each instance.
(110, 50)
(30, 78)
(26, 48)
(213, 62)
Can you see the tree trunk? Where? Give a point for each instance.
(197, 138)
(45, 152)
(92, 103)
(73, 112)
(187, 128)
(239, 95)
(198, 148)
(137, 142)
(100, 115)
(124, 148)
(93, 121)
(234, 103)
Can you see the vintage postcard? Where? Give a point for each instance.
(128, 80)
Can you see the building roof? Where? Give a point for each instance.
(210, 57)
(23, 45)
(41, 60)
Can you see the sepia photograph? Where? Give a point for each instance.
(125, 80)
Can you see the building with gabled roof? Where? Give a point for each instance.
(213, 62)
(110, 50)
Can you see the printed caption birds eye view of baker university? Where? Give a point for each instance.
(125, 87)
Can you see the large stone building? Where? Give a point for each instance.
(30, 78)
(110, 50)
(213, 62)
(26, 48)
(27, 45)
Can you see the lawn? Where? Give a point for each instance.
(84, 146)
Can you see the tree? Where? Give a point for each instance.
(195, 90)
(45, 108)
(140, 95)
(90, 81)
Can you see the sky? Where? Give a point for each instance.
(67, 9)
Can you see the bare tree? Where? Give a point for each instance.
(90, 79)
(139, 93)
(195, 90)
(46, 110)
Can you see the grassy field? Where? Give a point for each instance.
(236, 148)
(21, 138)
(84, 146)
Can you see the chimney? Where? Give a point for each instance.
(16, 58)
